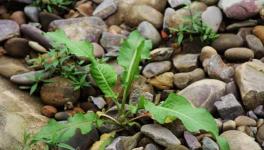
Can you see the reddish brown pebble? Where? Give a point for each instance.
(48, 111)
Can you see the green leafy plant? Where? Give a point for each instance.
(52, 5)
(133, 50)
(60, 61)
(194, 26)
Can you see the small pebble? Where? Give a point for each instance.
(48, 111)
(229, 125)
(60, 116)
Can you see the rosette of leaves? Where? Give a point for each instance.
(133, 50)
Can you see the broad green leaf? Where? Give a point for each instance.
(105, 78)
(104, 141)
(194, 119)
(78, 48)
(56, 133)
(133, 50)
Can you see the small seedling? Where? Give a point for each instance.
(194, 26)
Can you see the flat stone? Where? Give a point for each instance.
(185, 62)
(181, 80)
(229, 107)
(160, 135)
(238, 140)
(161, 54)
(8, 29)
(83, 28)
(105, 9)
(204, 93)
(249, 77)
(156, 68)
(124, 142)
(28, 78)
(163, 81)
(19, 112)
(10, 66)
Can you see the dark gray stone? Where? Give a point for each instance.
(160, 135)
(229, 107)
(35, 34)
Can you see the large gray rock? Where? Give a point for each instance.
(19, 112)
(204, 93)
(8, 29)
(83, 28)
(160, 135)
(250, 78)
(238, 140)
